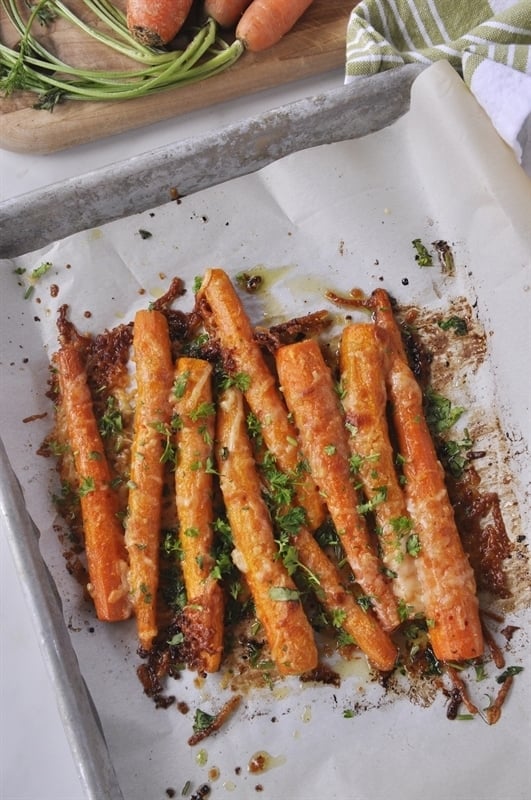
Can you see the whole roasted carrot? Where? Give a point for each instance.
(276, 599)
(341, 605)
(265, 22)
(364, 400)
(156, 22)
(103, 533)
(310, 394)
(225, 12)
(446, 577)
(192, 397)
(154, 380)
(227, 321)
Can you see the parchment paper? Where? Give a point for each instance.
(333, 217)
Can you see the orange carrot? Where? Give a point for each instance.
(103, 532)
(276, 599)
(364, 399)
(226, 320)
(154, 379)
(156, 22)
(446, 577)
(342, 606)
(310, 395)
(265, 22)
(195, 512)
(225, 12)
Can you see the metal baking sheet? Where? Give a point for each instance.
(452, 176)
(151, 179)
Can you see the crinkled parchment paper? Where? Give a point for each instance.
(333, 217)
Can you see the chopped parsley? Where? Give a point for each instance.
(86, 486)
(508, 673)
(179, 386)
(111, 421)
(422, 256)
(413, 545)
(455, 323)
(202, 721)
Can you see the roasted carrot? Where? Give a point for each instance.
(225, 12)
(156, 22)
(276, 599)
(265, 22)
(446, 577)
(341, 605)
(227, 321)
(364, 400)
(154, 379)
(193, 490)
(103, 532)
(311, 396)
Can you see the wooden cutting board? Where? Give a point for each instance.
(316, 44)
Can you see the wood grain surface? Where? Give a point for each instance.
(316, 44)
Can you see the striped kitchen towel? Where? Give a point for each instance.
(488, 43)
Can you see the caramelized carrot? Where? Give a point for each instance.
(311, 397)
(227, 321)
(103, 533)
(225, 12)
(364, 399)
(446, 577)
(276, 599)
(265, 22)
(154, 379)
(156, 22)
(360, 624)
(193, 492)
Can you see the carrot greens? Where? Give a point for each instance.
(31, 65)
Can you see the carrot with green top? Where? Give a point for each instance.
(446, 577)
(194, 467)
(311, 396)
(103, 532)
(151, 428)
(364, 400)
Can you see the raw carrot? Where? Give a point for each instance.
(225, 12)
(277, 602)
(311, 396)
(154, 380)
(103, 532)
(193, 493)
(227, 321)
(446, 577)
(156, 22)
(364, 399)
(265, 22)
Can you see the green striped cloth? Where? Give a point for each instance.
(488, 43)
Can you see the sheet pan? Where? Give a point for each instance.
(330, 216)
